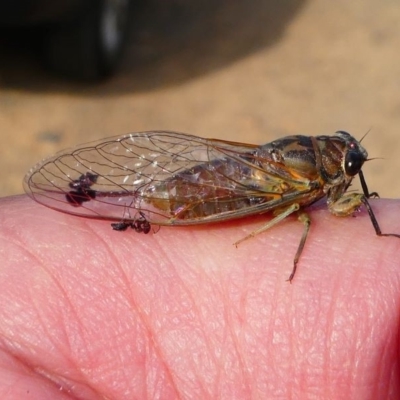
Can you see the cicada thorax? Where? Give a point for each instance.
(319, 159)
(314, 158)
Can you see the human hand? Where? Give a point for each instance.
(87, 312)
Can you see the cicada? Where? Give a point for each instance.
(169, 178)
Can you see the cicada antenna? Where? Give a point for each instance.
(368, 131)
(375, 158)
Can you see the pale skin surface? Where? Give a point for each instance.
(90, 313)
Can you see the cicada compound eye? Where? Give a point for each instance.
(354, 161)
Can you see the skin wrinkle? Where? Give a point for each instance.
(308, 359)
(137, 310)
(340, 333)
(393, 340)
(382, 371)
(305, 328)
(217, 378)
(277, 339)
(331, 310)
(65, 384)
(66, 297)
(381, 353)
(394, 281)
(218, 342)
(276, 367)
(247, 370)
(292, 349)
(28, 371)
(129, 294)
(240, 321)
(67, 302)
(275, 317)
(197, 311)
(165, 255)
(63, 379)
(157, 348)
(360, 334)
(180, 284)
(392, 389)
(294, 329)
(213, 381)
(145, 319)
(245, 325)
(79, 323)
(206, 378)
(60, 382)
(229, 327)
(54, 280)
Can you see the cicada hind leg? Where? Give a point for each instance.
(302, 216)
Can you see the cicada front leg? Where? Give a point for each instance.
(364, 186)
(349, 203)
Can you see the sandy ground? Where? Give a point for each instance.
(248, 71)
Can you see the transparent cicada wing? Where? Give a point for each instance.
(169, 177)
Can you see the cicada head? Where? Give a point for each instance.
(342, 159)
(354, 154)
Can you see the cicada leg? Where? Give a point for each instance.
(280, 217)
(303, 217)
(365, 187)
(348, 204)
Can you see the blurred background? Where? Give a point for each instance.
(245, 71)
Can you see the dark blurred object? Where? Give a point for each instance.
(81, 39)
